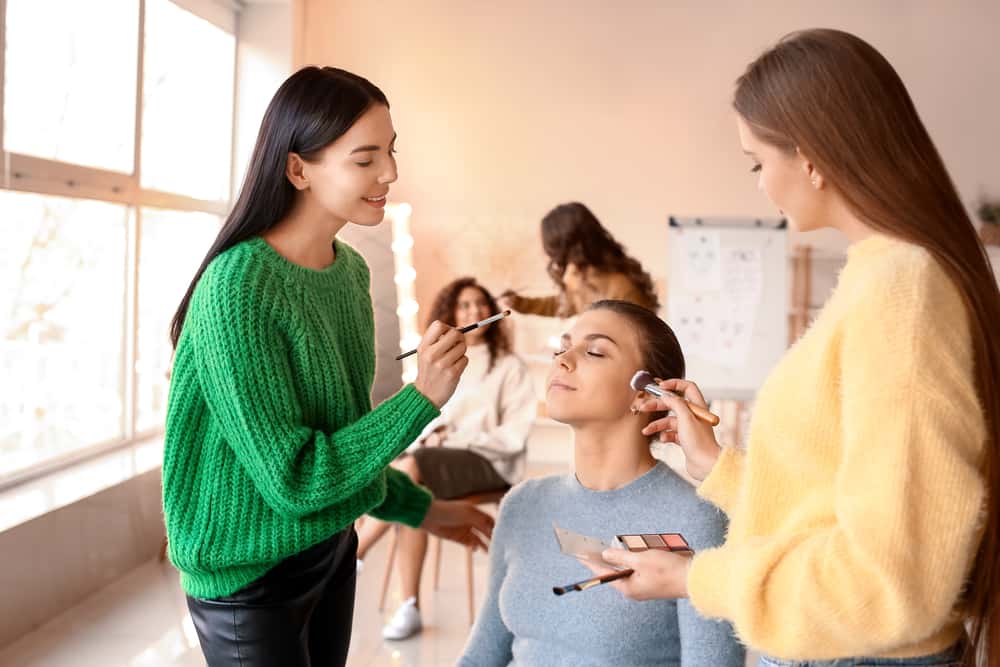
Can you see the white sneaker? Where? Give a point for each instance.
(405, 622)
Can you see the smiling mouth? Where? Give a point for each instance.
(377, 202)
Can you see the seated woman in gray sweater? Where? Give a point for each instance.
(618, 488)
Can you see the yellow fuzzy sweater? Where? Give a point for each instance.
(856, 511)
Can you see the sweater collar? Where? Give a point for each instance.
(325, 277)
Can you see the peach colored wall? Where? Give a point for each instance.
(505, 109)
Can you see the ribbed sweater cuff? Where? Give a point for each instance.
(405, 502)
(410, 399)
(722, 484)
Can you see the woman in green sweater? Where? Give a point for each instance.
(272, 449)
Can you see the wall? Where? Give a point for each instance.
(56, 560)
(505, 109)
(263, 61)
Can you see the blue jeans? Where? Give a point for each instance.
(949, 658)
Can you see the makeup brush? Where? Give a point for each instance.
(644, 381)
(481, 323)
(590, 583)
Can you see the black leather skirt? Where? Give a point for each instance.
(298, 614)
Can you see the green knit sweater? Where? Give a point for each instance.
(271, 442)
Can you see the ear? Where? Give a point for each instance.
(815, 178)
(639, 398)
(295, 172)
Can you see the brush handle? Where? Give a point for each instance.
(466, 329)
(704, 414)
(590, 583)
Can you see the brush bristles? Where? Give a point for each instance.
(641, 379)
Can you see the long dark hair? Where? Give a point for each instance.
(313, 108)
(571, 234)
(661, 351)
(446, 302)
(839, 101)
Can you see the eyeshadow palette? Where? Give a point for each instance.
(662, 541)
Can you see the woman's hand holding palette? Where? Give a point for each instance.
(590, 549)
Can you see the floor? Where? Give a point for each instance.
(142, 620)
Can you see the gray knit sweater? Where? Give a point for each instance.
(522, 623)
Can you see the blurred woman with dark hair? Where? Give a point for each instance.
(587, 264)
(476, 445)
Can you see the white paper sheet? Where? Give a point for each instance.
(702, 259)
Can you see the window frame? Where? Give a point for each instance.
(27, 173)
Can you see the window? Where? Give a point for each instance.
(187, 119)
(172, 246)
(71, 95)
(63, 307)
(107, 207)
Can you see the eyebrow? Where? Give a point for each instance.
(593, 336)
(371, 147)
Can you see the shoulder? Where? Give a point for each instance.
(666, 480)
(356, 262)
(240, 275)
(349, 254)
(529, 494)
(701, 523)
(890, 277)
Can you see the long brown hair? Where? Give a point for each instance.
(446, 303)
(836, 99)
(571, 234)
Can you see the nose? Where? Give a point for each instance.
(567, 360)
(390, 173)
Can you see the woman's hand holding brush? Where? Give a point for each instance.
(694, 436)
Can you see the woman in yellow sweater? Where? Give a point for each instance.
(863, 516)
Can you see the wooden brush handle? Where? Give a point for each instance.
(704, 414)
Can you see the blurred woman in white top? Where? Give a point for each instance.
(477, 445)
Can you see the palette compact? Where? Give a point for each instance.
(661, 541)
(590, 548)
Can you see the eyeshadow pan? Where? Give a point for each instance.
(675, 542)
(633, 541)
(654, 541)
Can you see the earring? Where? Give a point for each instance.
(635, 411)
(815, 182)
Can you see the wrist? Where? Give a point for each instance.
(423, 391)
(704, 461)
(682, 591)
(429, 515)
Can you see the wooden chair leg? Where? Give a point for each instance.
(388, 567)
(437, 562)
(469, 551)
